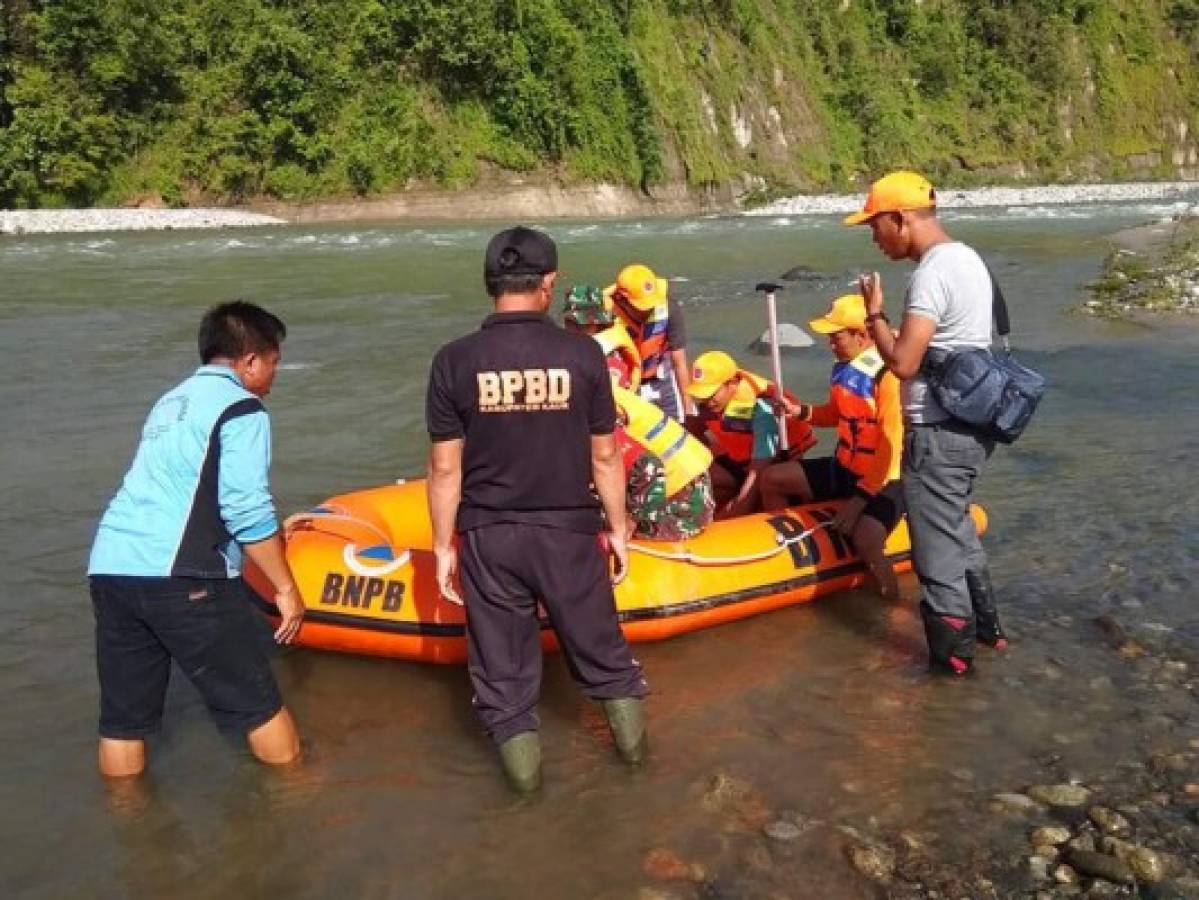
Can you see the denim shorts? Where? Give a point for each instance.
(207, 626)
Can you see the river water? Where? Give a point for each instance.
(821, 713)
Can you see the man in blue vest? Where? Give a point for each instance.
(166, 563)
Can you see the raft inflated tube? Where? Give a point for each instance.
(364, 565)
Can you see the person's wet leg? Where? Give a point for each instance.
(869, 538)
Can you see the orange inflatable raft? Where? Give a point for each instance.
(364, 566)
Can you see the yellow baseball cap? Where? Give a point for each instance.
(640, 285)
(709, 371)
(894, 193)
(847, 311)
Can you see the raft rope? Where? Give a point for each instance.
(698, 560)
(337, 514)
(334, 514)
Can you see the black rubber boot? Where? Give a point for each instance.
(626, 718)
(521, 757)
(982, 598)
(950, 642)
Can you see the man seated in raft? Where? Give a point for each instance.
(669, 494)
(864, 407)
(737, 419)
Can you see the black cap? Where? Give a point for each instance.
(520, 251)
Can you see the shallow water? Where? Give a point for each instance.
(822, 710)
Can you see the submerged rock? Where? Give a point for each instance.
(1050, 835)
(1081, 842)
(1115, 847)
(1015, 803)
(782, 830)
(1108, 820)
(1064, 874)
(1038, 867)
(1100, 865)
(736, 798)
(802, 273)
(874, 861)
(1147, 865)
(1060, 794)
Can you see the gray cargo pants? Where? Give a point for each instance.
(506, 569)
(940, 465)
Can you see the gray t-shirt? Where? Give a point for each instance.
(951, 286)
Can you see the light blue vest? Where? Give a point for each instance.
(197, 487)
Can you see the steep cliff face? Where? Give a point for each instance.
(185, 100)
(814, 94)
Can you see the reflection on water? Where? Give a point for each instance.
(821, 713)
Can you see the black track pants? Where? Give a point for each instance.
(506, 569)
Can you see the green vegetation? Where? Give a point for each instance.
(224, 100)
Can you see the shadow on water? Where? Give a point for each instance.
(821, 716)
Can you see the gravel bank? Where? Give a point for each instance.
(64, 221)
(1049, 195)
(604, 201)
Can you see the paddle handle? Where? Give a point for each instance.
(776, 361)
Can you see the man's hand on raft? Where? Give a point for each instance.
(291, 613)
(447, 568)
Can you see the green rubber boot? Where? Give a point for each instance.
(521, 757)
(626, 718)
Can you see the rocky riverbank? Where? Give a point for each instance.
(975, 198)
(71, 221)
(537, 201)
(1130, 829)
(1150, 270)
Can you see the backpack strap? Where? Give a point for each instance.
(1003, 323)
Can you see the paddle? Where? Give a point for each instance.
(770, 288)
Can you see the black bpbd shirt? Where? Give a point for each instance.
(526, 397)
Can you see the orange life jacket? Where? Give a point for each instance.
(734, 429)
(853, 390)
(649, 336)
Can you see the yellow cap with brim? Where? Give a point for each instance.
(709, 371)
(894, 193)
(847, 311)
(641, 286)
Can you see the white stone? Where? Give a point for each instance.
(742, 130)
(776, 125)
(709, 111)
(791, 337)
